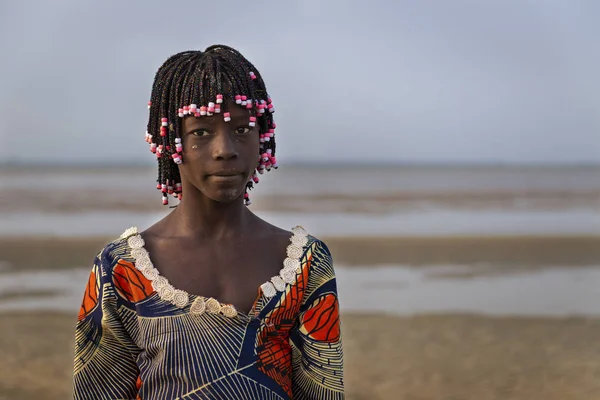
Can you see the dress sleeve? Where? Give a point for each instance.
(104, 365)
(316, 340)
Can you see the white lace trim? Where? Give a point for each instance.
(180, 298)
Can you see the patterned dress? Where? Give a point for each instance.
(138, 337)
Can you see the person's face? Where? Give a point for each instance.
(219, 157)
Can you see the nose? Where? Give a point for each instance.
(224, 146)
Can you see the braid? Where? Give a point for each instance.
(188, 83)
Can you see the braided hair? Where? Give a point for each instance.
(205, 83)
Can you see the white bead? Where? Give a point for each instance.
(278, 283)
(229, 311)
(202, 112)
(135, 242)
(226, 119)
(238, 101)
(244, 103)
(252, 124)
(213, 306)
(180, 115)
(291, 264)
(177, 140)
(211, 104)
(165, 124)
(198, 306)
(287, 275)
(268, 289)
(180, 299)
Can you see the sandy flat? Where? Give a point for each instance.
(418, 358)
(501, 252)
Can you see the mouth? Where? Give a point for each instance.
(226, 177)
(226, 174)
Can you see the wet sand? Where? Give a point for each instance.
(433, 357)
(145, 200)
(423, 357)
(486, 254)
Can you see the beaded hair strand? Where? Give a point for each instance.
(202, 84)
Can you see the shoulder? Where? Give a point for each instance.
(116, 250)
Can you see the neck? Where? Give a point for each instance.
(198, 216)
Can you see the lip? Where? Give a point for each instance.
(226, 174)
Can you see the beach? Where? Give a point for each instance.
(444, 294)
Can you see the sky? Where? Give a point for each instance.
(433, 81)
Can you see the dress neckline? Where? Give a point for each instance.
(199, 304)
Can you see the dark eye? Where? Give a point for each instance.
(200, 132)
(242, 130)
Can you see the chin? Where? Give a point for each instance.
(227, 195)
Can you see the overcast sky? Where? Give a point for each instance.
(510, 81)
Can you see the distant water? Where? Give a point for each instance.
(393, 289)
(429, 223)
(447, 219)
(349, 179)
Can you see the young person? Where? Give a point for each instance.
(211, 302)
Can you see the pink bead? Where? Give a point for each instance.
(273, 125)
(158, 186)
(165, 201)
(255, 179)
(238, 97)
(244, 98)
(249, 105)
(252, 119)
(153, 147)
(246, 195)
